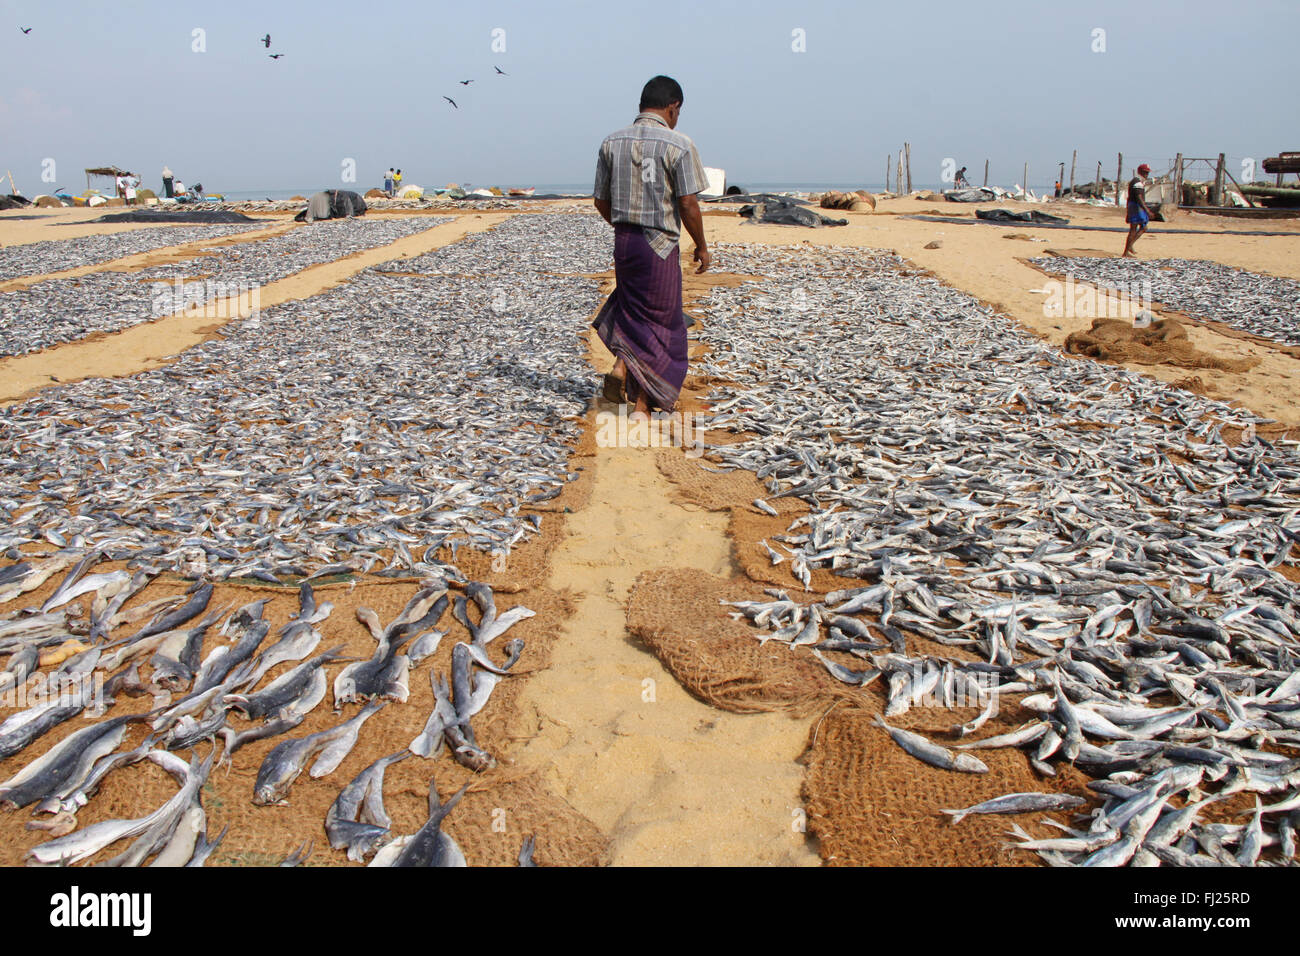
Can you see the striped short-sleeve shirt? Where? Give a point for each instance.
(642, 171)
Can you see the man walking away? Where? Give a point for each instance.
(1138, 215)
(647, 177)
(168, 179)
(388, 183)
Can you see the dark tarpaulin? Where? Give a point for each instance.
(974, 194)
(342, 204)
(1031, 215)
(208, 216)
(13, 201)
(788, 214)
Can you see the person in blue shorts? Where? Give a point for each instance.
(1138, 215)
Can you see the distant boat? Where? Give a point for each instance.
(523, 192)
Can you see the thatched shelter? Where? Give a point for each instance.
(106, 172)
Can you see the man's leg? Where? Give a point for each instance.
(1132, 238)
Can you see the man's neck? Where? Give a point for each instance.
(661, 115)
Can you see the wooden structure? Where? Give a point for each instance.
(109, 172)
(1218, 192)
(1281, 164)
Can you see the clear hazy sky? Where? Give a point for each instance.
(120, 82)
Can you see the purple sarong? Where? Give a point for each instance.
(642, 322)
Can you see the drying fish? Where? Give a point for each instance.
(299, 856)
(932, 753)
(152, 830)
(67, 760)
(32, 575)
(287, 760)
(204, 847)
(289, 718)
(64, 310)
(356, 820)
(1019, 803)
(429, 742)
(429, 846)
(526, 851)
(249, 628)
(287, 689)
(424, 646)
(384, 674)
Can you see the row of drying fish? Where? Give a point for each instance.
(195, 697)
(55, 255)
(1263, 305)
(565, 244)
(358, 430)
(66, 310)
(1085, 536)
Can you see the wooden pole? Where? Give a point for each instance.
(908, 148)
(1024, 181)
(1101, 193)
(1074, 160)
(1119, 176)
(1217, 200)
(898, 178)
(986, 172)
(1178, 180)
(1250, 202)
(888, 160)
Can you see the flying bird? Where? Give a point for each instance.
(266, 41)
(499, 70)
(25, 29)
(451, 101)
(466, 82)
(275, 56)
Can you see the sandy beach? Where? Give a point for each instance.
(605, 750)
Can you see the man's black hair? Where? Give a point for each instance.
(660, 93)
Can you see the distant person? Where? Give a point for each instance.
(961, 180)
(397, 182)
(119, 186)
(647, 177)
(131, 183)
(180, 189)
(1058, 189)
(167, 182)
(1138, 216)
(388, 182)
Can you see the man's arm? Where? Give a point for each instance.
(1142, 201)
(601, 192)
(694, 223)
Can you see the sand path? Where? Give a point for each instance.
(669, 779)
(153, 344)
